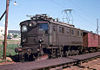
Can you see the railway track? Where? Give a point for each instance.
(51, 64)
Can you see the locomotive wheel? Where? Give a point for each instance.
(31, 57)
(21, 57)
(53, 53)
(68, 53)
(74, 52)
(77, 52)
(98, 49)
(42, 57)
(28, 57)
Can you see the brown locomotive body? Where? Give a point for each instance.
(43, 35)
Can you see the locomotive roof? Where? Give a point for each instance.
(23, 22)
(49, 19)
(44, 17)
(55, 22)
(64, 24)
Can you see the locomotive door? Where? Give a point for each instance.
(54, 34)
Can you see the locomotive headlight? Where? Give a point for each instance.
(24, 28)
(30, 24)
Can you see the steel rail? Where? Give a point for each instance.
(51, 63)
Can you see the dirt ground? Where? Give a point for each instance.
(8, 61)
(90, 65)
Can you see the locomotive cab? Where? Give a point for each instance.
(33, 32)
(34, 36)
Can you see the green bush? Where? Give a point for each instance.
(15, 36)
(10, 51)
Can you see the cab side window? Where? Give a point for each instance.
(72, 32)
(61, 29)
(78, 33)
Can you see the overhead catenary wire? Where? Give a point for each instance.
(81, 16)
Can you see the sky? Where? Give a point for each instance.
(84, 12)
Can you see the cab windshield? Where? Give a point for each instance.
(43, 26)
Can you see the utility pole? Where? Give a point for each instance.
(5, 10)
(6, 25)
(97, 30)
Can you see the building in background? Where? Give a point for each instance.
(10, 33)
(2, 33)
(13, 34)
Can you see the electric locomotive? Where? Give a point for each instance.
(45, 36)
